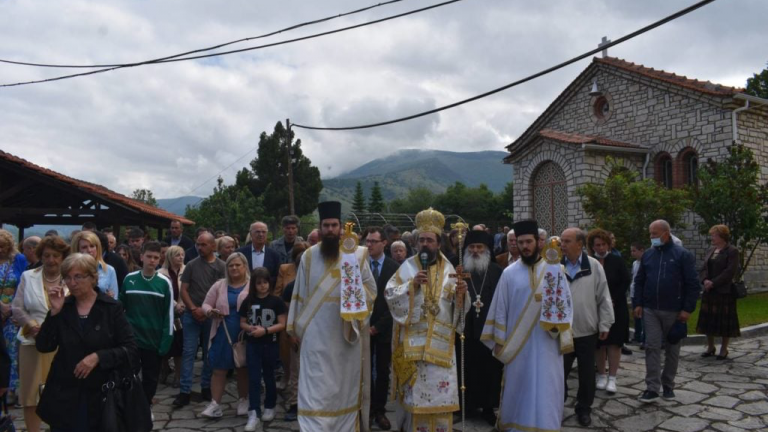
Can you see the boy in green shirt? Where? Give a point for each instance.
(148, 300)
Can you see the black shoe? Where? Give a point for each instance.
(649, 396)
(206, 394)
(292, 414)
(708, 353)
(668, 393)
(625, 350)
(722, 356)
(181, 400)
(584, 419)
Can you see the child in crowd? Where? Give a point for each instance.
(262, 317)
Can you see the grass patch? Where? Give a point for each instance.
(753, 309)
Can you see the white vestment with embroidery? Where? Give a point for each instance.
(533, 386)
(334, 353)
(428, 399)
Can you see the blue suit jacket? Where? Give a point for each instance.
(271, 260)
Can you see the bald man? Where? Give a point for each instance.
(666, 290)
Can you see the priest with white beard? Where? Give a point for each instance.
(332, 300)
(528, 328)
(426, 303)
(483, 371)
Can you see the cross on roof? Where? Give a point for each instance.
(603, 43)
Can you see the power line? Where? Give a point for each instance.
(293, 27)
(524, 80)
(316, 35)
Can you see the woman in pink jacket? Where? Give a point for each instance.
(221, 305)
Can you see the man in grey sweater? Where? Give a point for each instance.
(592, 316)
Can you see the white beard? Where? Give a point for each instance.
(477, 265)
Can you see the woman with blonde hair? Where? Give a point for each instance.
(12, 265)
(173, 267)
(30, 308)
(88, 243)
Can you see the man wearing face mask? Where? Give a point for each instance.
(666, 290)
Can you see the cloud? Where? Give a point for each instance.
(171, 127)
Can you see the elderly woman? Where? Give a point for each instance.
(92, 335)
(173, 266)
(125, 253)
(222, 304)
(398, 251)
(225, 245)
(30, 307)
(88, 243)
(12, 265)
(618, 278)
(717, 316)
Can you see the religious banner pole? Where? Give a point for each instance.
(461, 228)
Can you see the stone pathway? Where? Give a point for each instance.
(726, 396)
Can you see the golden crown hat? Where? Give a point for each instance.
(430, 220)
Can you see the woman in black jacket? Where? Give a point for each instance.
(618, 278)
(92, 336)
(718, 316)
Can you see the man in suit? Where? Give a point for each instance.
(512, 254)
(383, 268)
(177, 238)
(258, 254)
(284, 244)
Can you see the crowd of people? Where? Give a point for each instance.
(423, 317)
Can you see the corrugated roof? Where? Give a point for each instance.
(584, 139)
(98, 190)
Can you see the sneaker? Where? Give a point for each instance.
(649, 396)
(611, 386)
(181, 400)
(242, 407)
(253, 421)
(269, 415)
(213, 410)
(292, 414)
(602, 381)
(668, 393)
(206, 394)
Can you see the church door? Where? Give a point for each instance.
(550, 198)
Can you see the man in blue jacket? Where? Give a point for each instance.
(666, 290)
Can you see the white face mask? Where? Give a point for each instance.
(601, 255)
(655, 242)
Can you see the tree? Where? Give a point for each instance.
(417, 200)
(358, 203)
(145, 196)
(506, 204)
(758, 84)
(376, 203)
(626, 206)
(230, 208)
(729, 193)
(474, 205)
(270, 175)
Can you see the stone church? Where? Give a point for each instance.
(655, 123)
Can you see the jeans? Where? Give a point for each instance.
(639, 333)
(584, 351)
(150, 372)
(657, 326)
(261, 357)
(195, 333)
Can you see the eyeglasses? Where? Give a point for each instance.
(75, 278)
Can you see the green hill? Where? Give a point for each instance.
(409, 169)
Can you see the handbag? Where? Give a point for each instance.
(6, 422)
(238, 348)
(124, 407)
(739, 289)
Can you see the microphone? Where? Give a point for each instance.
(424, 260)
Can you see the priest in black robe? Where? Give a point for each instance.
(483, 371)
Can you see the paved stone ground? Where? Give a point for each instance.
(726, 396)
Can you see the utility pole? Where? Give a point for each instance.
(289, 154)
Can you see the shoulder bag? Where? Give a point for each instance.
(238, 348)
(124, 407)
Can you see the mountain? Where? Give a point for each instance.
(178, 205)
(409, 169)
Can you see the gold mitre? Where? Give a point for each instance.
(430, 220)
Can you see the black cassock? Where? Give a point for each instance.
(484, 372)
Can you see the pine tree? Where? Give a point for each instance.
(376, 203)
(358, 204)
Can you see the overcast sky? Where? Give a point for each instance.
(170, 127)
